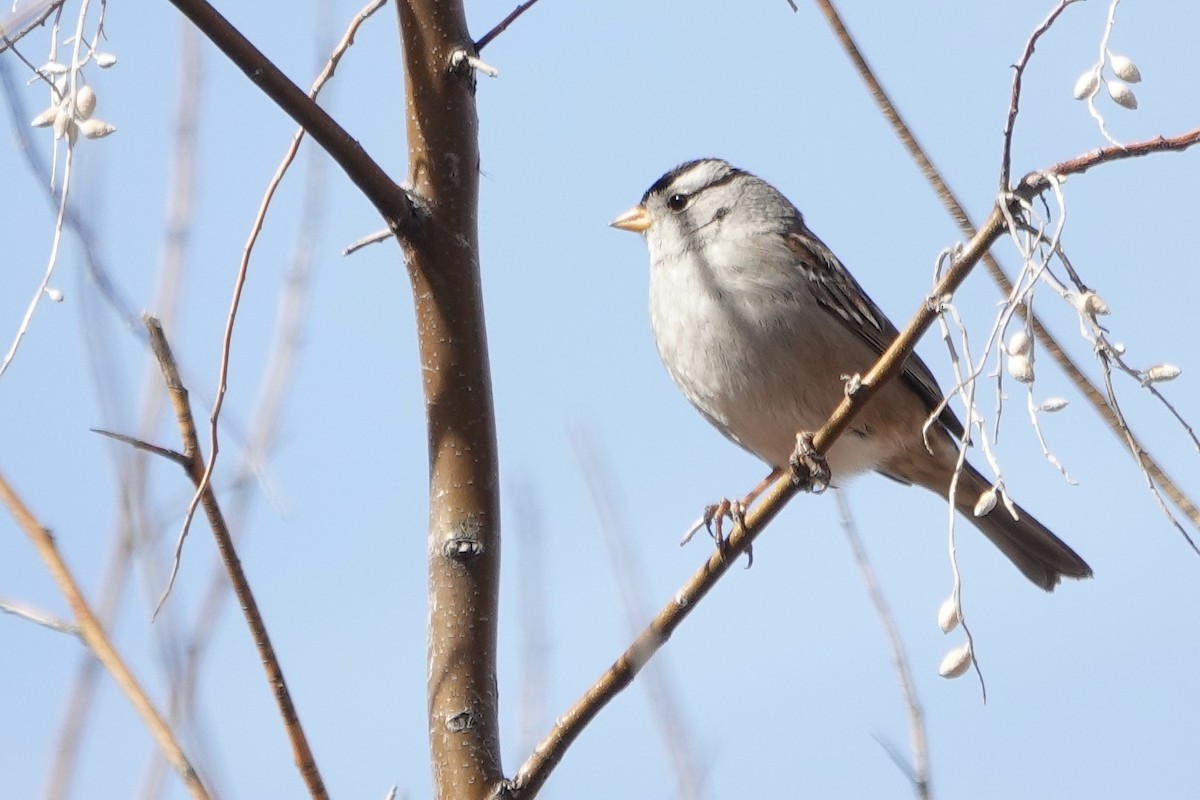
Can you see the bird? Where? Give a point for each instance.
(760, 326)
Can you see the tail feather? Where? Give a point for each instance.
(1039, 554)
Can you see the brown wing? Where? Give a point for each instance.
(839, 294)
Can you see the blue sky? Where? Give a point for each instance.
(782, 675)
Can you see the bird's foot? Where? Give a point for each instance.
(810, 470)
(713, 520)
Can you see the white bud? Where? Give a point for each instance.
(1090, 304)
(1160, 373)
(1019, 344)
(105, 60)
(1052, 404)
(986, 502)
(62, 121)
(956, 662)
(85, 102)
(1021, 369)
(1122, 95)
(52, 68)
(948, 614)
(1125, 68)
(54, 294)
(1118, 348)
(46, 118)
(1085, 87)
(96, 128)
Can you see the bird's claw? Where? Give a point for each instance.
(714, 519)
(810, 470)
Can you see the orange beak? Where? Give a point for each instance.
(635, 220)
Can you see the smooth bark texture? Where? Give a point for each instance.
(464, 519)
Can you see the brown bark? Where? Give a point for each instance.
(464, 519)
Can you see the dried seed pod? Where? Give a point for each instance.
(949, 614)
(986, 502)
(1019, 343)
(1125, 68)
(105, 60)
(1160, 373)
(1090, 303)
(62, 121)
(1122, 95)
(54, 294)
(1052, 404)
(956, 662)
(1021, 369)
(95, 128)
(1085, 87)
(85, 102)
(46, 118)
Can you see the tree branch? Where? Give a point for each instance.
(195, 469)
(464, 513)
(93, 635)
(1086, 387)
(395, 204)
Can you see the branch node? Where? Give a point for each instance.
(461, 56)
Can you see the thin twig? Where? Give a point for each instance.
(958, 213)
(139, 444)
(537, 767)
(393, 202)
(39, 617)
(1014, 102)
(673, 730)
(486, 39)
(241, 586)
(15, 25)
(93, 635)
(132, 530)
(240, 282)
(284, 351)
(918, 771)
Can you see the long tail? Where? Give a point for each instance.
(1038, 553)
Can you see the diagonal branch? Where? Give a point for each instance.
(502, 26)
(395, 204)
(1086, 387)
(241, 586)
(93, 635)
(537, 768)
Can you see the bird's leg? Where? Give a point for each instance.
(810, 470)
(714, 515)
(749, 499)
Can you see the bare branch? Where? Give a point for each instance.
(1018, 74)
(16, 24)
(664, 707)
(38, 617)
(464, 514)
(486, 39)
(93, 635)
(241, 586)
(958, 213)
(918, 771)
(395, 204)
(139, 444)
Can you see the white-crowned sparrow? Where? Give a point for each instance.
(759, 324)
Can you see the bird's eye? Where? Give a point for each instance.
(678, 202)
